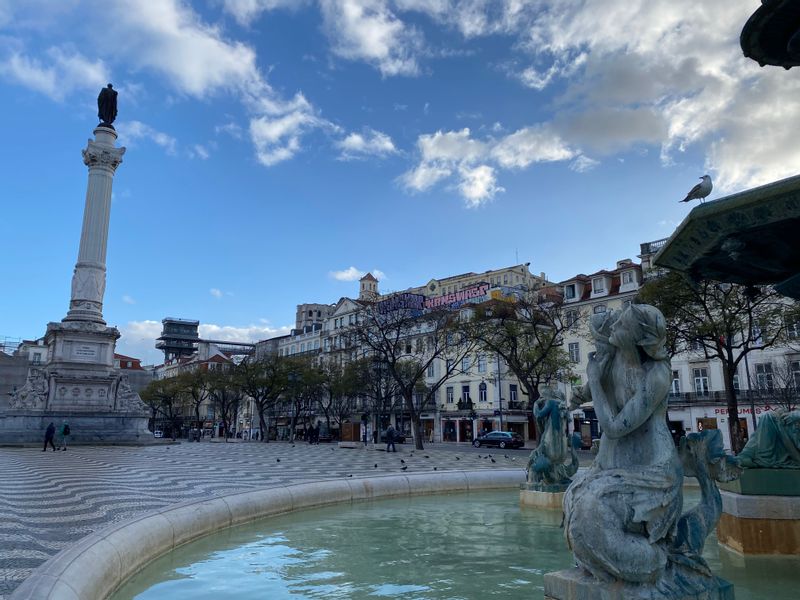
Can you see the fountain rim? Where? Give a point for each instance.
(97, 565)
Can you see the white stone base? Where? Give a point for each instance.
(551, 500)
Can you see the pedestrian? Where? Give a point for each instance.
(364, 435)
(64, 435)
(375, 436)
(390, 439)
(430, 438)
(49, 434)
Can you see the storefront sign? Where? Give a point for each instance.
(745, 411)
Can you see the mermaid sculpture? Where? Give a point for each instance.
(547, 466)
(623, 517)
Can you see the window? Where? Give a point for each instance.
(701, 381)
(37, 358)
(695, 346)
(303, 347)
(481, 364)
(755, 335)
(736, 382)
(482, 390)
(505, 279)
(351, 319)
(465, 393)
(418, 345)
(512, 392)
(764, 377)
(675, 390)
(794, 367)
(627, 277)
(431, 372)
(575, 352)
(599, 308)
(449, 394)
(598, 285)
(571, 318)
(793, 329)
(569, 291)
(465, 364)
(449, 365)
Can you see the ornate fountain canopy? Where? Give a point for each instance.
(750, 238)
(771, 35)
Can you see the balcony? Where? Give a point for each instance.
(518, 405)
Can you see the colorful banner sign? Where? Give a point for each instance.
(455, 299)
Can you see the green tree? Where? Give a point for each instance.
(196, 389)
(723, 321)
(226, 393)
(168, 398)
(528, 335)
(264, 380)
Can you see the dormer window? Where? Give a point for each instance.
(598, 285)
(569, 291)
(627, 277)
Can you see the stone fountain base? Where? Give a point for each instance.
(538, 495)
(576, 584)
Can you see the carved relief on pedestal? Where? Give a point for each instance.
(101, 155)
(126, 399)
(32, 395)
(88, 285)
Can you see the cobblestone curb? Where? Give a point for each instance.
(98, 564)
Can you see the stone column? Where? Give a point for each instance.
(89, 278)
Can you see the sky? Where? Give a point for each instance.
(279, 149)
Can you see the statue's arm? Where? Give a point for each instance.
(640, 407)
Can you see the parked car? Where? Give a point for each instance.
(502, 439)
(399, 438)
(158, 433)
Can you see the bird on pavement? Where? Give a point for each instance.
(701, 190)
(404, 468)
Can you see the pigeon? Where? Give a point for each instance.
(402, 461)
(404, 468)
(350, 475)
(701, 190)
(494, 461)
(426, 456)
(375, 466)
(435, 468)
(505, 455)
(277, 460)
(458, 458)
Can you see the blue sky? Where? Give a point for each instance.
(279, 148)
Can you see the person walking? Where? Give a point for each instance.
(390, 439)
(64, 435)
(49, 434)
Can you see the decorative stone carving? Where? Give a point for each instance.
(126, 399)
(102, 155)
(775, 443)
(32, 395)
(547, 464)
(623, 517)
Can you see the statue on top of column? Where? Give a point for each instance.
(107, 106)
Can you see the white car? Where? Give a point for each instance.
(158, 433)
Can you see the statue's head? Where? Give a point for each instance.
(551, 393)
(600, 325)
(109, 86)
(644, 326)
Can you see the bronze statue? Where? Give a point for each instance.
(107, 106)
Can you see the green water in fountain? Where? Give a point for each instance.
(457, 546)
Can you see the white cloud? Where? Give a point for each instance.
(444, 154)
(247, 333)
(128, 299)
(199, 151)
(217, 293)
(276, 135)
(478, 185)
(368, 30)
(231, 128)
(131, 132)
(583, 163)
(354, 274)
(246, 11)
(61, 72)
(349, 274)
(364, 145)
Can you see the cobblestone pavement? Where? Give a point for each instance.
(49, 500)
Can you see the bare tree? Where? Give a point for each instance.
(196, 389)
(407, 342)
(723, 321)
(786, 383)
(304, 390)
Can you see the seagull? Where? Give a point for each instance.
(701, 190)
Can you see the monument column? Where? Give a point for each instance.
(89, 277)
